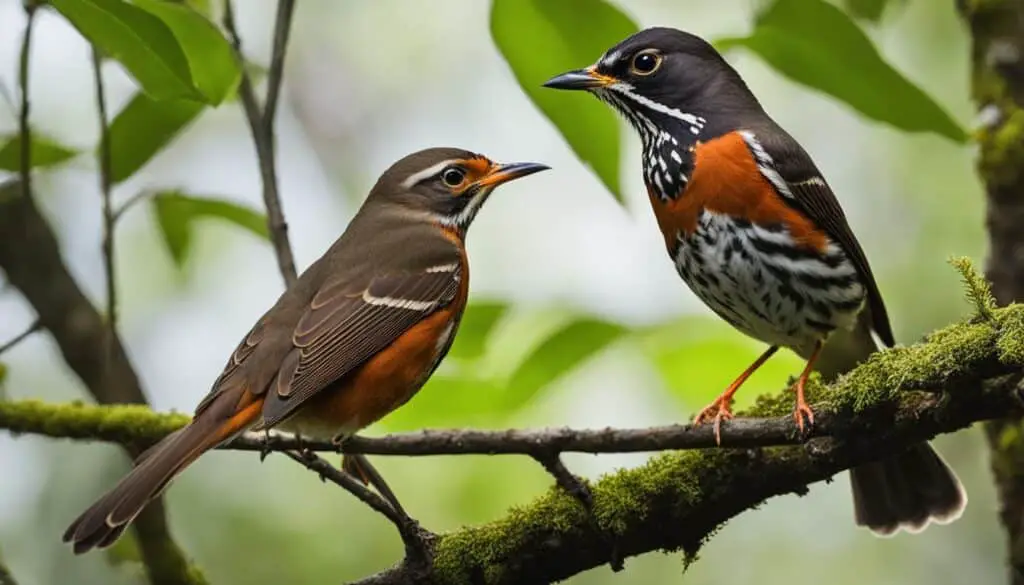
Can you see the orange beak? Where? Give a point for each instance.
(509, 172)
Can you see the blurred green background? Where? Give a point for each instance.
(578, 317)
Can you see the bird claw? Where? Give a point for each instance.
(720, 411)
(803, 410)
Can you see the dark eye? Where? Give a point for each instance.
(453, 176)
(645, 62)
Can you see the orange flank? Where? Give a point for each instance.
(726, 180)
(388, 379)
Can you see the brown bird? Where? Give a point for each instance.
(354, 338)
(757, 234)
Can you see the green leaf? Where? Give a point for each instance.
(542, 38)
(142, 128)
(477, 323)
(816, 44)
(138, 40)
(866, 9)
(176, 214)
(565, 349)
(215, 70)
(45, 152)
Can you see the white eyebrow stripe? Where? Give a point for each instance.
(427, 173)
(397, 303)
(627, 90)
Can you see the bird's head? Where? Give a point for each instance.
(448, 185)
(662, 79)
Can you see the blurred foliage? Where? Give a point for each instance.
(867, 9)
(814, 43)
(177, 214)
(170, 49)
(43, 153)
(143, 128)
(565, 35)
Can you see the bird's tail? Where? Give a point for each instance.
(907, 490)
(103, 522)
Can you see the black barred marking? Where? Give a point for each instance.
(667, 141)
(759, 280)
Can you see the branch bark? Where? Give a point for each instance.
(965, 373)
(31, 259)
(997, 32)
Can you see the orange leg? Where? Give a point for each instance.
(802, 409)
(720, 407)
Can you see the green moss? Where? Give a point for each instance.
(976, 287)
(1011, 340)
(118, 423)
(621, 500)
(1002, 150)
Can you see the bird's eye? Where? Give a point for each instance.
(645, 62)
(453, 176)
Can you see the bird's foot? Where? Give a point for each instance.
(350, 465)
(803, 413)
(719, 411)
(265, 445)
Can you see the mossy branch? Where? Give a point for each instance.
(959, 375)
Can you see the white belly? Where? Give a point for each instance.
(766, 286)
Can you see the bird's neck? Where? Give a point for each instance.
(670, 133)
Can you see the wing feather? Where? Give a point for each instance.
(345, 326)
(810, 193)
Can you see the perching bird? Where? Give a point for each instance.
(354, 338)
(757, 234)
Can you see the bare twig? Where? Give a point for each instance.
(109, 216)
(24, 130)
(416, 539)
(35, 326)
(130, 202)
(285, 9)
(261, 125)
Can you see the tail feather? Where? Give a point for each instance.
(103, 522)
(906, 491)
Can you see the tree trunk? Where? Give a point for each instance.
(997, 32)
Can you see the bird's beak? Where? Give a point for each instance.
(587, 78)
(509, 172)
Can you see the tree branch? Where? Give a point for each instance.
(35, 326)
(962, 374)
(31, 259)
(24, 129)
(104, 158)
(261, 125)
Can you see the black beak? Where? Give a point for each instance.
(579, 79)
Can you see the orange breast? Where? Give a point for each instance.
(390, 378)
(726, 180)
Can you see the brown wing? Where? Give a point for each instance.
(345, 326)
(809, 192)
(243, 351)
